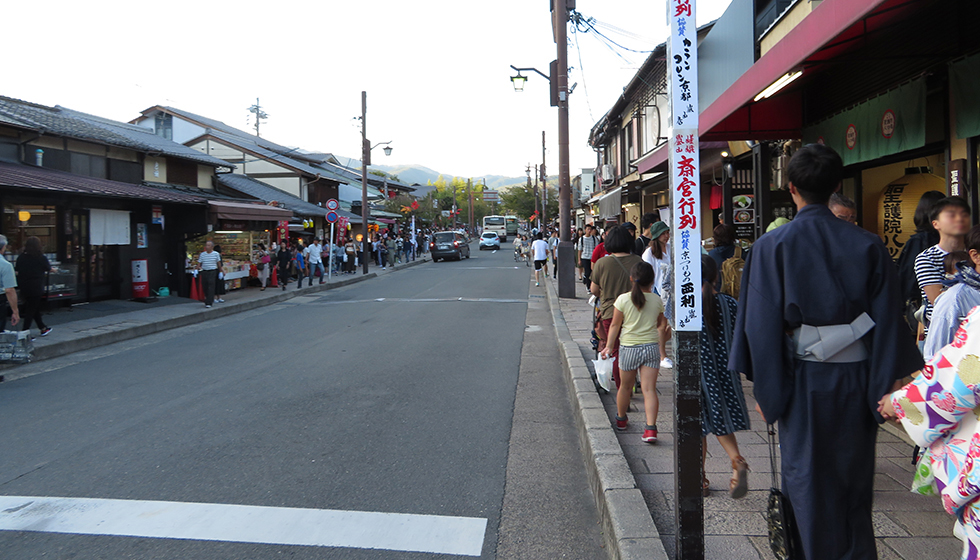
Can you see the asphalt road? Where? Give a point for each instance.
(395, 395)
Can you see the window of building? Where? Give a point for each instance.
(163, 125)
(21, 221)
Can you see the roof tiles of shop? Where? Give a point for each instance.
(50, 181)
(61, 121)
(267, 193)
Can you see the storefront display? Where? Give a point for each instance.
(238, 252)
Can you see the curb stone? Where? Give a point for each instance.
(627, 525)
(102, 339)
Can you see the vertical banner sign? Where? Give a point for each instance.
(685, 189)
(685, 165)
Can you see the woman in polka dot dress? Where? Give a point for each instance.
(723, 410)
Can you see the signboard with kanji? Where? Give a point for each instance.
(685, 172)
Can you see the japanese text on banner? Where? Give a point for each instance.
(685, 173)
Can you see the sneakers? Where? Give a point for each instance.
(45, 331)
(621, 423)
(650, 434)
(666, 363)
(537, 284)
(207, 307)
(219, 300)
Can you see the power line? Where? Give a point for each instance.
(581, 68)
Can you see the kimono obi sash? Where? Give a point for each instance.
(833, 343)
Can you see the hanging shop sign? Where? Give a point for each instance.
(891, 123)
(685, 173)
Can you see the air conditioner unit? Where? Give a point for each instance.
(608, 173)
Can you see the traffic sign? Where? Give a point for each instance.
(332, 216)
(332, 204)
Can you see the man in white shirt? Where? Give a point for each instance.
(314, 260)
(539, 252)
(553, 252)
(210, 261)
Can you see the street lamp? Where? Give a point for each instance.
(518, 81)
(387, 150)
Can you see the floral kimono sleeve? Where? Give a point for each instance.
(934, 405)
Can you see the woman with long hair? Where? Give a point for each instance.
(610, 279)
(31, 267)
(657, 254)
(723, 409)
(636, 315)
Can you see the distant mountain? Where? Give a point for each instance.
(420, 174)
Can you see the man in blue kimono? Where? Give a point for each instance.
(820, 333)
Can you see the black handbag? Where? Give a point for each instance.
(779, 513)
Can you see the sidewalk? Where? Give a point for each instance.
(86, 326)
(908, 526)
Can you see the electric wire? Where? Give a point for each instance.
(581, 69)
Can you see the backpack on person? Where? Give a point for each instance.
(731, 274)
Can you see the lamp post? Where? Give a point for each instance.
(365, 162)
(559, 98)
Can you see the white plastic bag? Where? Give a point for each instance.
(604, 373)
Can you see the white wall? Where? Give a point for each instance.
(185, 131)
(155, 169)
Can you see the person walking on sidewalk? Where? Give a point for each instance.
(539, 252)
(610, 279)
(283, 258)
(657, 254)
(633, 331)
(962, 295)
(210, 261)
(301, 269)
(951, 218)
(553, 252)
(391, 249)
(219, 284)
(723, 410)
(813, 277)
(937, 412)
(264, 263)
(314, 258)
(586, 247)
(31, 268)
(8, 283)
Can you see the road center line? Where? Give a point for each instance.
(434, 534)
(421, 300)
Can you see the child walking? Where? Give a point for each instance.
(636, 316)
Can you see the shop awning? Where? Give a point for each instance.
(242, 211)
(735, 116)
(611, 204)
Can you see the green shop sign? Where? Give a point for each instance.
(891, 123)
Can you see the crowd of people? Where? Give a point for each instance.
(835, 336)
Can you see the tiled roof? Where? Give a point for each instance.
(58, 182)
(284, 159)
(216, 125)
(60, 121)
(267, 193)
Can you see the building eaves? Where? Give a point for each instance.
(267, 193)
(14, 175)
(60, 121)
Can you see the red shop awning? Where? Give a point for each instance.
(735, 116)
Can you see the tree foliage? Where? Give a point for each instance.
(440, 198)
(519, 201)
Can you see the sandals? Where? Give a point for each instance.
(704, 487)
(738, 486)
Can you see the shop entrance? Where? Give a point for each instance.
(97, 264)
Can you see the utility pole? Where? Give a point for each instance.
(566, 250)
(259, 115)
(544, 184)
(537, 193)
(469, 190)
(365, 209)
(454, 204)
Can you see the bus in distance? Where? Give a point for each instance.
(496, 224)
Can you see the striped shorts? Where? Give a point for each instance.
(632, 357)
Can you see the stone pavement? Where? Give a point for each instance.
(96, 324)
(908, 526)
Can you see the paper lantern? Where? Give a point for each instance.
(24, 215)
(896, 208)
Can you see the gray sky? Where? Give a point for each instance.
(436, 71)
